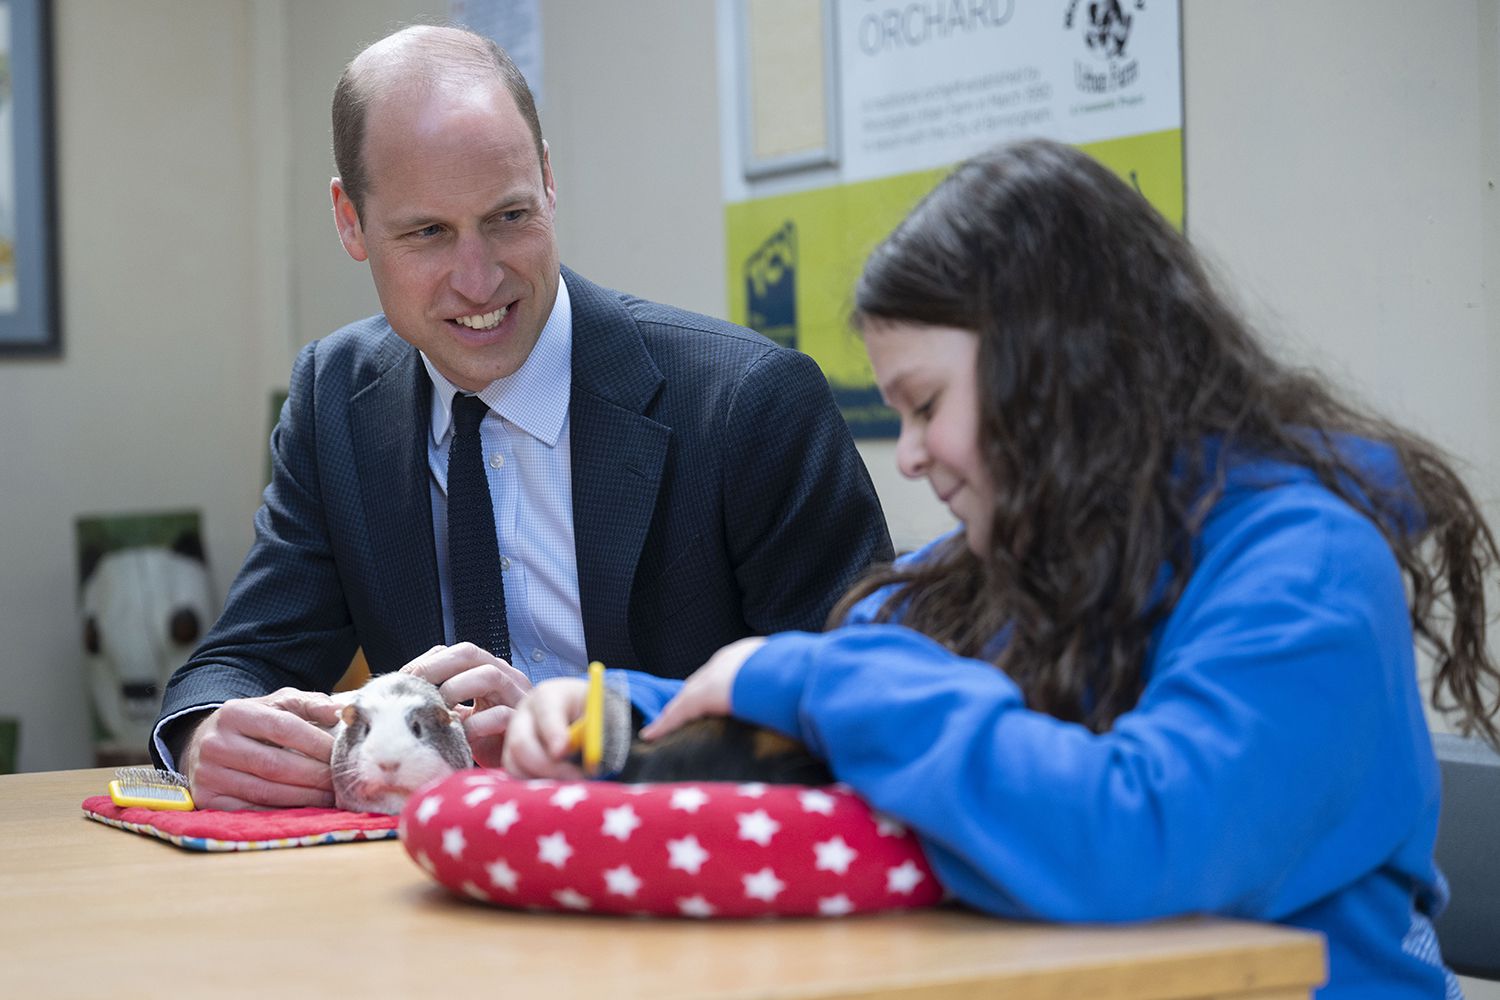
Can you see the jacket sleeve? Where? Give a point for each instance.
(285, 621)
(801, 515)
(1269, 761)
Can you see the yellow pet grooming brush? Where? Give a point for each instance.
(601, 735)
(148, 788)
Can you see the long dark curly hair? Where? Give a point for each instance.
(1107, 363)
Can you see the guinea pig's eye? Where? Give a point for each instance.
(416, 727)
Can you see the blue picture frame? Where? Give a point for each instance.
(30, 323)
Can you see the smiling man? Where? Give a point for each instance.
(657, 483)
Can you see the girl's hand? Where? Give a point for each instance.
(707, 691)
(536, 742)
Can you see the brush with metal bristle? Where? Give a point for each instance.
(150, 788)
(601, 736)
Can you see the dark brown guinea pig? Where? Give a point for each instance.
(724, 749)
(394, 735)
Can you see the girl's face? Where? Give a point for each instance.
(929, 376)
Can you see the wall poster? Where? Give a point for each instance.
(840, 114)
(28, 278)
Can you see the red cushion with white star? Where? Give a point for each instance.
(701, 849)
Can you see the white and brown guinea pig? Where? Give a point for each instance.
(394, 735)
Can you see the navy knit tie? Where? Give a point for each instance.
(473, 555)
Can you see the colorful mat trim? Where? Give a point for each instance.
(222, 830)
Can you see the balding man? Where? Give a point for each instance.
(660, 483)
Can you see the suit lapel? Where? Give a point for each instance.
(618, 455)
(389, 423)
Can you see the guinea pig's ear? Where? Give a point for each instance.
(349, 714)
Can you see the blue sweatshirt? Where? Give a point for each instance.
(1277, 766)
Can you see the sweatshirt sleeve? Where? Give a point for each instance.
(1268, 762)
(649, 693)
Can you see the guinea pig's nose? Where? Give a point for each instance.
(390, 766)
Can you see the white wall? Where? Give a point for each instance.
(1342, 173)
(148, 407)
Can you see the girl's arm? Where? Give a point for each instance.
(1274, 757)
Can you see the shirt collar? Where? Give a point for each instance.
(535, 396)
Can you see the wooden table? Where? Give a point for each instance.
(88, 910)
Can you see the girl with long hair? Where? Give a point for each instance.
(1168, 663)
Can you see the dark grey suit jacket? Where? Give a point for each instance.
(716, 494)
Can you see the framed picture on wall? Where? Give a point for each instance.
(29, 320)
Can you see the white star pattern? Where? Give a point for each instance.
(686, 854)
(689, 799)
(757, 826)
(904, 878)
(835, 906)
(540, 783)
(620, 822)
(453, 842)
(571, 899)
(503, 817)
(834, 856)
(622, 881)
(553, 849)
(502, 875)
(695, 906)
(763, 885)
(429, 808)
(814, 801)
(477, 795)
(691, 849)
(569, 796)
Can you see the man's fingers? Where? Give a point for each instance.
(213, 784)
(274, 725)
(267, 752)
(237, 753)
(488, 723)
(496, 683)
(442, 663)
(215, 787)
(313, 706)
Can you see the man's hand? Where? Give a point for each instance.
(707, 691)
(537, 744)
(263, 753)
(464, 672)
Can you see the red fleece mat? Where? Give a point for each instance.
(223, 830)
(689, 849)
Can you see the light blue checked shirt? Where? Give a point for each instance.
(525, 440)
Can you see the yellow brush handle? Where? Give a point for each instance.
(127, 794)
(587, 732)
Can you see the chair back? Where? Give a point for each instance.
(1468, 852)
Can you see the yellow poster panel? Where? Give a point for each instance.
(793, 259)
